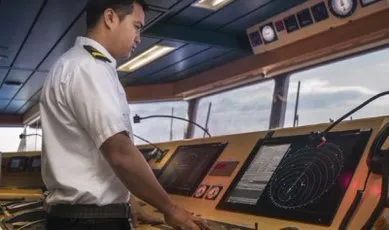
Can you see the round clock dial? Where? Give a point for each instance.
(343, 8)
(268, 33)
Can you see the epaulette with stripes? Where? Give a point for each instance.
(96, 54)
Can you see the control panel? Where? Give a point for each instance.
(261, 180)
(279, 181)
(286, 178)
(153, 154)
(309, 19)
(188, 166)
(21, 170)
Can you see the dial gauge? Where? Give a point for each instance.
(268, 33)
(343, 8)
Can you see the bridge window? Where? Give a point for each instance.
(241, 110)
(159, 129)
(34, 138)
(329, 91)
(10, 140)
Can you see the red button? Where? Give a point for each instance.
(220, 166)
(279, 26)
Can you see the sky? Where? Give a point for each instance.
(327, 92)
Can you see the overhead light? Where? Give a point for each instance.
(3, 57)
(146, 57)
(211, 4)
(13, 83)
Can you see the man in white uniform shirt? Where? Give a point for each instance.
(89, 162)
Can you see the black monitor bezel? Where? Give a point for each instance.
(31, 168)
(254, 209)
(202, 175)
(22, 168)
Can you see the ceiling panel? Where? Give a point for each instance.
(8, 91)
(16, 18)
(14, 106)
(163, 4)
(163, 42)
(78, 29)
(19, 75)
(36, 96)
(190, 16)
(151, 15)
(261, 14)
(230, 13)
(143, 46)
(3, 72)
(49, 28)
(3, 105)
(32, 86)
(170, 59)
(26, 107)
(182, 4)
(207, 54)
(206, 65)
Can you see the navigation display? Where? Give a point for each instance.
(36, 162)
(188, 166)
(254, 180)
(286, 178)
(16, 164)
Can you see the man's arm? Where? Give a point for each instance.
(133, 170)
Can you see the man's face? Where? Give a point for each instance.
(126, 33)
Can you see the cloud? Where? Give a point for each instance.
(319, 86)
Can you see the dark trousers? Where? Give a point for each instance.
(57, 223)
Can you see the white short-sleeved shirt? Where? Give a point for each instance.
(82, 104)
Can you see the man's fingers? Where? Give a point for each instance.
(193, 226)
(135, 222)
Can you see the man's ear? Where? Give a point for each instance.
(110, 18)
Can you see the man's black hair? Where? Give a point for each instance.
(95, 9)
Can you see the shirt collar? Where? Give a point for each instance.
(81, 41)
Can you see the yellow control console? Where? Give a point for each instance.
(273, 180)
(279, 179)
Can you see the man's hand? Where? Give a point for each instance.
(139, 216)
(180, 219)
(143, 218)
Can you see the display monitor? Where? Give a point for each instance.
(16, 164)
(287, 178)
(34, 164)
(185, 170)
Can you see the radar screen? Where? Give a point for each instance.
(287, 178)
(35, 164)
(185, 170)
(17, 164)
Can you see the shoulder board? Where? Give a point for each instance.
(96, 54)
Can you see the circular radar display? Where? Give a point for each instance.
(304, 176)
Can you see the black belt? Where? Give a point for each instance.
(82, 211)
